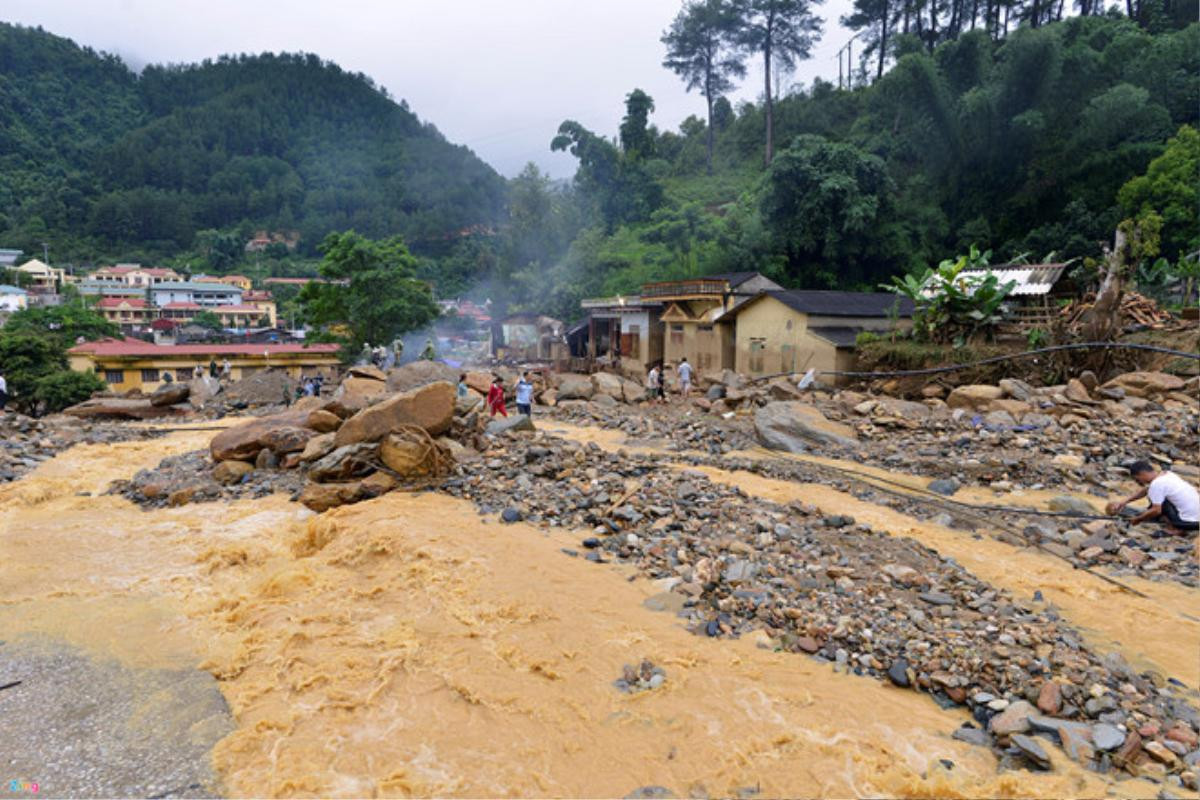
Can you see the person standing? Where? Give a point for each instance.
(525, 395)
(212, 367)
(685, 378)
(226, 370)
(3, 391)
(495, 398)
(654, 384)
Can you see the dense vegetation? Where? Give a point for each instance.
(190, 160)
(33, 354)
(997, 124)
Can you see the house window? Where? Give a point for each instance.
(150, 376)
(758, 348)
(114, 375)
(706, 328)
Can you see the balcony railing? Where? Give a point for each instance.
(685, 288)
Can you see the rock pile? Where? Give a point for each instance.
(865, 601)
(26, 442)
(361, 443)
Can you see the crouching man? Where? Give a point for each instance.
(1172, 499)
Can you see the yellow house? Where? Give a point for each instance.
(133, 364)
(126, 311)
(692, 316)
(264, 301)
(43, 276)
(795, 331)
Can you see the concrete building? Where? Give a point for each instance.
(13, 299)
(134, 364)
(92, 288)
(692, 312)
(624, 332)
(8, 258)
(240, 281)
(128, 312)
(264, 301)
(796, 330)
(43, 277)
(207, 295)
(134, 275)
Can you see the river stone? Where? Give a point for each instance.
(229, 472)
(1067, 503)
(975, 397)
(898, 673)
(317, 447)
(1146, 384)
(344, 463)
(945, 486)
(794, 427)
(286, 439)
(1012, 720)
(323, 496)
(513, 423)
(322, 421)
(430, 407)
(606, 383)
(119, 408)
(1032, 748)
(1017, 389)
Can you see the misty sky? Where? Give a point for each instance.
(497, 76)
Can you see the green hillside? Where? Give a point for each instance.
(105, 163)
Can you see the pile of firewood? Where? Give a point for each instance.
(1135, 310)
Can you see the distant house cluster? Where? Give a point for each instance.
(739, 321)
(142, 299)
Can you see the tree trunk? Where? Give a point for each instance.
(770, 106)
(974, 12)
(708, 99)
(1034, 14)
(932, 24)
(883, 32)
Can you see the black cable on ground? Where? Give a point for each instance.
(995, 360)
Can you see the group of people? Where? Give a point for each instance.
(656, 390)
(495, 401)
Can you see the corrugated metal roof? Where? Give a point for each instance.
(828, 303)
(1033, 279)
(839, 336)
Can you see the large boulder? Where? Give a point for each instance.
(356, 393)
(317, 447)
(420, 373)
(1146, 384)
(408, 457)
(634, 392)
(974, 397)
(322, 421)
(795, 427)
(120, 408)
(345, 463)
(202, 390)
(608, 384)
(1016, 389)
(480, 381)
(367, 371)
(169, 394)
(286, 439)
(430, 407)
(575, 387)
(243, 442)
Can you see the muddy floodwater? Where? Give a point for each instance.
(408, 646)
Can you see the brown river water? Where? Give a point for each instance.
(407, 646)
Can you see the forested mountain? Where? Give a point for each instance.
(106, 163)
(1017, 140)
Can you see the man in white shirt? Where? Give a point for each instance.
(3, 391)
(1171, 497)
(685, 378)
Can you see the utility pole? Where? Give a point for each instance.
(46, 253)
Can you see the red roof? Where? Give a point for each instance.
(136, 347)
(159, 271)
(117, 302)
(256, 294)
(181, 306)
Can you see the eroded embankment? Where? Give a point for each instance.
(404, 646)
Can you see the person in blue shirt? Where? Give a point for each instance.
(525, 395)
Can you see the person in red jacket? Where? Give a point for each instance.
(495, 398)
